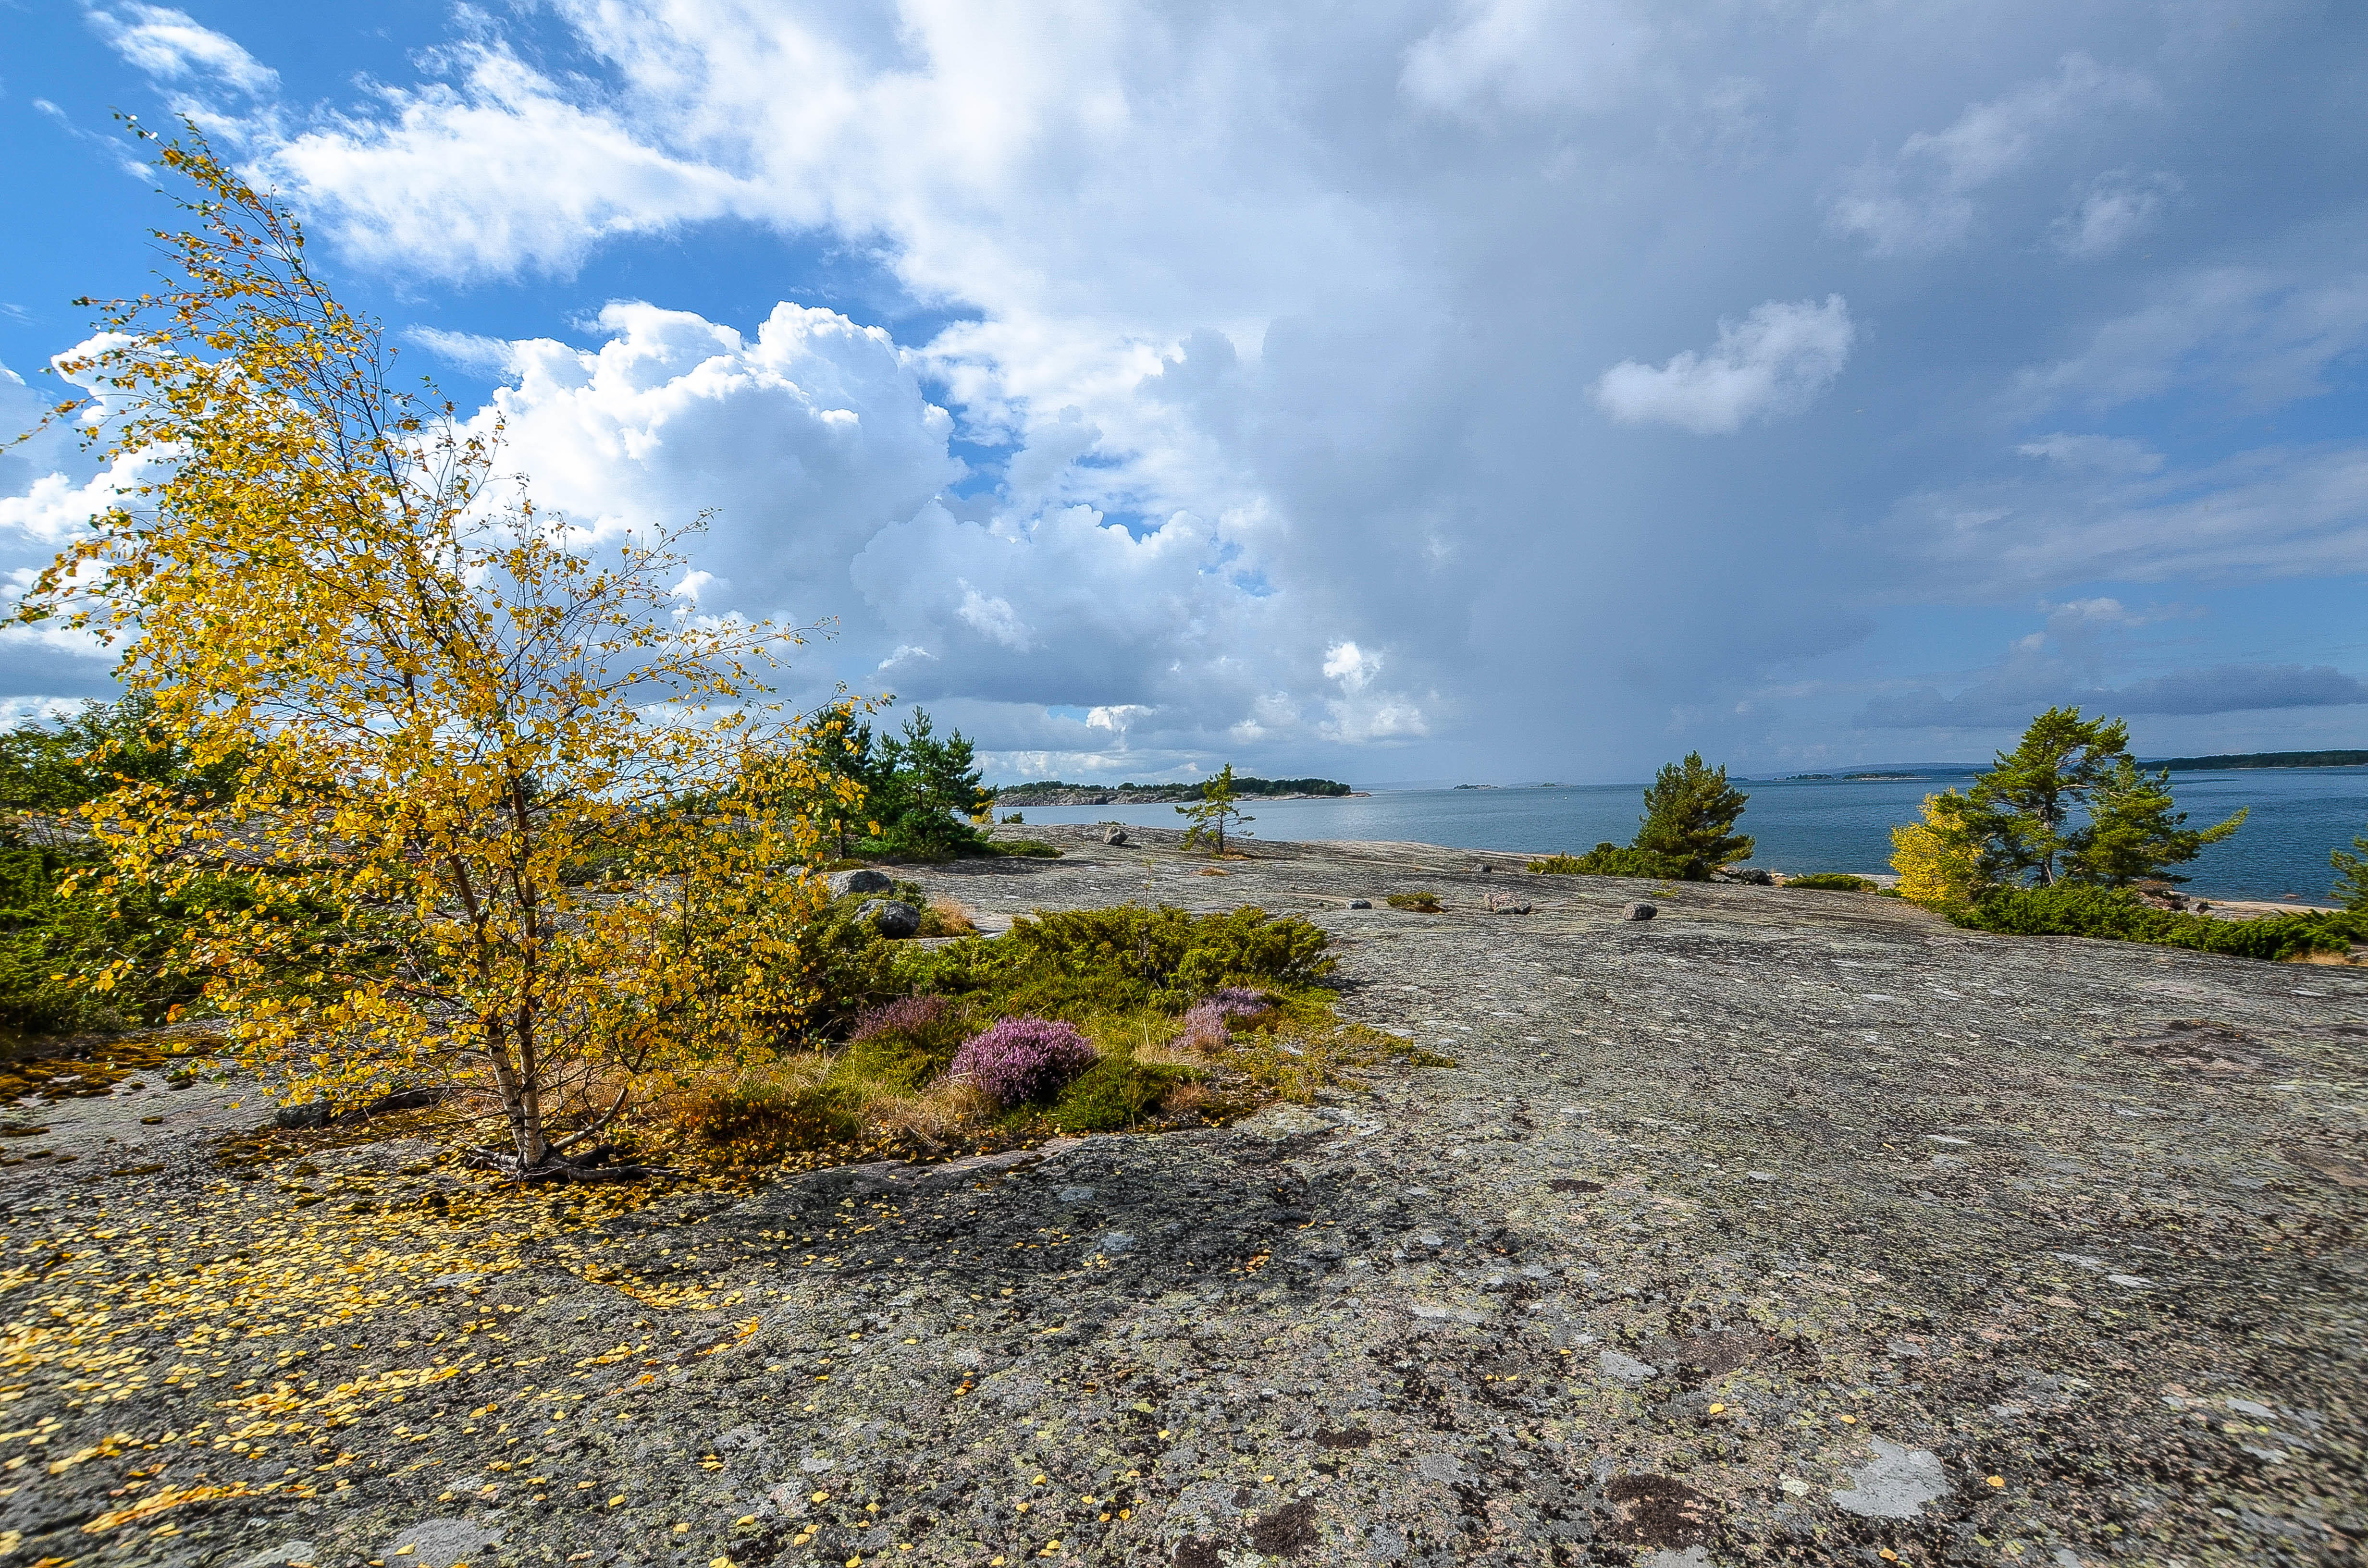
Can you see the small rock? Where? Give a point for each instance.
(891, 920)
(1114, 836)
(863, 881)
(1640, 909)
(1626, 1369)
(1438, 1467)
(1113, 1242)
(312, 1113)
(1895, 1484)
(1361, 904)
(443, 1543)
(1076, 1195)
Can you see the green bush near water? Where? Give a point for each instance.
(1608, 859)
(1831, 882)
(2073, 909)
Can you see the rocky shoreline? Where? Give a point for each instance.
(1776, 1228)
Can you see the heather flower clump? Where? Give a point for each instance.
(1205, 1022)
(907, 1014)
(1022, 1059)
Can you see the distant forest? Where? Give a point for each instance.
(1046, 791)
(2270, 759)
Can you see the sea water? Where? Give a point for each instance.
(2298, 814)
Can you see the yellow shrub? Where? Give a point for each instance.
(1938, 861)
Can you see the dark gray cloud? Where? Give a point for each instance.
(2217, 688)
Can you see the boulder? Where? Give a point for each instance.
(1638, 911)
(1751, 874)
(1361, 904)
(889, 919)
(1114, 835)
(865, 880)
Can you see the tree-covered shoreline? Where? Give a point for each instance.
(1053, 792)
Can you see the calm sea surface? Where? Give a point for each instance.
(2298, 815)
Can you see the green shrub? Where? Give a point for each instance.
(2067, 910)
(903, 1046)
(768, 1113)
(1077, 963)
(1419, 903)
(1114, 1094)
(1832, 882)
(53, 943)
(1607, 859)
(1029, 848)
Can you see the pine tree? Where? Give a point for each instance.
(2352, 874)
(1219, 805)
(928, 793)
(1690, 815)
(2070, 804)
(2134, 832)
(2027, 797)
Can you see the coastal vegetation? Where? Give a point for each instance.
(2061, 835)
(2233, 761)
(1218, 809)
(1687, 832)
(1831, 882)
(2352, 874)
(1053, 792)
(1078, 1021)
(916, 795)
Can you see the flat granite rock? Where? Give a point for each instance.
(1769, 1230)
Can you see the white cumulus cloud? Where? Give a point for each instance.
(172, 45)
(805, 441)
(1775, 360)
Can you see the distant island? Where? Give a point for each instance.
(1844, 778)
(2270, 759)
(1052, 793)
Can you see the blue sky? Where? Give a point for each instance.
(1491, 389)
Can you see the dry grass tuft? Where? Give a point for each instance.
(946, 917)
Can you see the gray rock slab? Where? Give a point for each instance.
(1895, 1484)
(1702, 1144)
